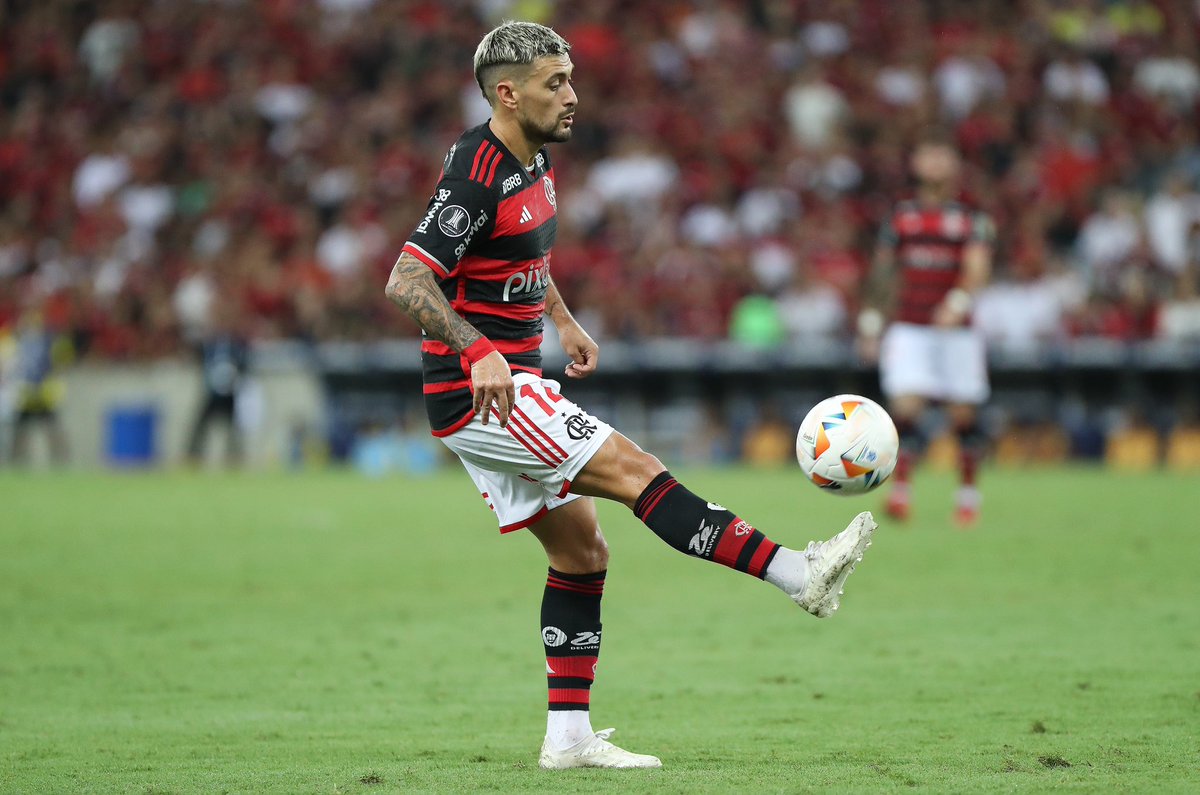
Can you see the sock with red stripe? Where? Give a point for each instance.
(571, 635)
(971, 444)
(912, 445)
(703, 529)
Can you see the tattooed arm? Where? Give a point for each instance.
(582, 349)
(413, 288)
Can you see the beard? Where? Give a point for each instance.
(545, 133)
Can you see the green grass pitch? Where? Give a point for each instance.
(327, 633)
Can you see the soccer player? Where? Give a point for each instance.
(934, 255)
(475, 275)
(224, 356)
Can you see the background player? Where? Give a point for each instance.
(934, 255)
(475, 275)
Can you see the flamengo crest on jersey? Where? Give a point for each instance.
(486, 234)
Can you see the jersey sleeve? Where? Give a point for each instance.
(982, 229)
(458, 212)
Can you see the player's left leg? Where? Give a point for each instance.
(812, 577)
(966, 388)
(571, 633)
(199, 434)
(972, 443)
(906, 411)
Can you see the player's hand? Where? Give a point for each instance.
(945, 316)
(954, 309)
(582, 349)
(492, 384)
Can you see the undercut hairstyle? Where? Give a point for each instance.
(513, 44)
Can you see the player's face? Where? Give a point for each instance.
(546, 107)
(935, 163)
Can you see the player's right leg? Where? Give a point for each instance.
(623, 472)
(571, 635)
(909, 374)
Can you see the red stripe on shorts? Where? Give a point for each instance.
(521, 525)
(550, 441)
(539, 450)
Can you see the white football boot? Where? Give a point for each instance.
(594, 751)
(830, 563)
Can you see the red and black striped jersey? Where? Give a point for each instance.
(929, 241)
(486, 235)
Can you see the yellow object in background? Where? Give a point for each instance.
(1183, 448)
(1134, 449)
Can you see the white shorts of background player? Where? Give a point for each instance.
(936, 363)
(526, 469)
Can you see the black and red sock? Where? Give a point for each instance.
(972, 443)
(571, 634)
(702, 529)
(912, 445)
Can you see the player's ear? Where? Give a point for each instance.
(506, 93)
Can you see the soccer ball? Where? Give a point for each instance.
(847, 444)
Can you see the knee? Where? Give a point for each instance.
(963, 419)
(908, 409)
(647, 466)
(594, 554)
(586, 554)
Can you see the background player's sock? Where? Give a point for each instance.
(899, 500)
(912, 444)
(703, 529)
(571, 636)
(971, 446)
(971, 443)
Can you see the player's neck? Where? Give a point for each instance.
(510, 134)
(934, 194)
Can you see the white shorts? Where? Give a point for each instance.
(526, 469)
(935, 363)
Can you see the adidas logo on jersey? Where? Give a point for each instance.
(526, 216)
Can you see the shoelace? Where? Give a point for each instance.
(810, 551)
(594, 747)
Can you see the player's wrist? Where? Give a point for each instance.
(479, 349)
(959, 301)
(870, 322)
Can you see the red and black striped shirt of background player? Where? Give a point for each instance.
(928, 241)
(486, 234)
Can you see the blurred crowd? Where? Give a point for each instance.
(166, 161)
